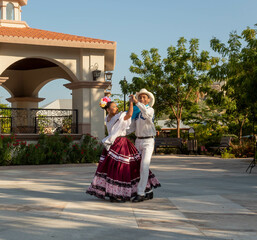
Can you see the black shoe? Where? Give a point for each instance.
(148, 196)
(138, 198)
(112, 199)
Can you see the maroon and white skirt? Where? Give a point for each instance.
(118, 172)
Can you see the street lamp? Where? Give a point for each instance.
(108, 76)
(253, 162)
(191, 144)
(191, 130)
(124, 83)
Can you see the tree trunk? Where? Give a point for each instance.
(240, 134)
(241, 131)
(178, 128)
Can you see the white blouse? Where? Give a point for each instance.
(116, 127)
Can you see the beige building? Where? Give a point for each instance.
(30, 58)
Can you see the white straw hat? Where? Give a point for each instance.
(149, 94)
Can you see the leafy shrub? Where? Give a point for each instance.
(226, 153)
(54, 149)
(246, 149)
(6, 149)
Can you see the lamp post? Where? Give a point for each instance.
(124, 82)
(191, 130)
(253, 162)
(191, 143)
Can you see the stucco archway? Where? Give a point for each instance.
(31, 57)
(27, 76)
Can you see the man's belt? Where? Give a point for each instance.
(145, 137)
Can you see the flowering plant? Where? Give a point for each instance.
(55, 149)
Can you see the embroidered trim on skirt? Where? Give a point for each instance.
(118, 172)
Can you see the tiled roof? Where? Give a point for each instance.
(34, 33)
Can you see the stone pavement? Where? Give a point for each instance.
(200, 198)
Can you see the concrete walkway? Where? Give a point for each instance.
(200, 198)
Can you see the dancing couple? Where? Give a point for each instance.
(123, 171)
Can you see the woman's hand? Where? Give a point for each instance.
(130, 110)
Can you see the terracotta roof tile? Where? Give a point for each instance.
(28, 32)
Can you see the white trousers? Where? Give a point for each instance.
(145, 148)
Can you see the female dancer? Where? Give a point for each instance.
(118, 172)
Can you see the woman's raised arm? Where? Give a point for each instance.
(130, 110)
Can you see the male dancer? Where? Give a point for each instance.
(145, 133)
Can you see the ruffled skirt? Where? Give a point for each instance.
(118, 172)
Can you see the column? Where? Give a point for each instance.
(81, 102)
(86, 96)
(16, 13)
(4, 12)
(3, 79)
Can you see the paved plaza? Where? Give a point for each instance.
(200, 198)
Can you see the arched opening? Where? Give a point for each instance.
(31, 64)
(5, 117)
(4, 94)
(56, 95)
(34, 63)
(30, 79)
(10, 11)
(29, 75)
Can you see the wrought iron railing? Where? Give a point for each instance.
(48, 121)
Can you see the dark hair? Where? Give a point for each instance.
(107, 105)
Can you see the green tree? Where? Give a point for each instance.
(175, 80)
(229, 110)
(238, 72)
(5, 119)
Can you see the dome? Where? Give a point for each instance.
(23, 2)
(10, 13)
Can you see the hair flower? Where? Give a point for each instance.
(104, 101)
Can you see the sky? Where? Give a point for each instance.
(136, 25)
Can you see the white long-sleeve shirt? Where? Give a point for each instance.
(116, 127)
(144, 123)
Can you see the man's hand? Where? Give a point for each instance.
(133, 98)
